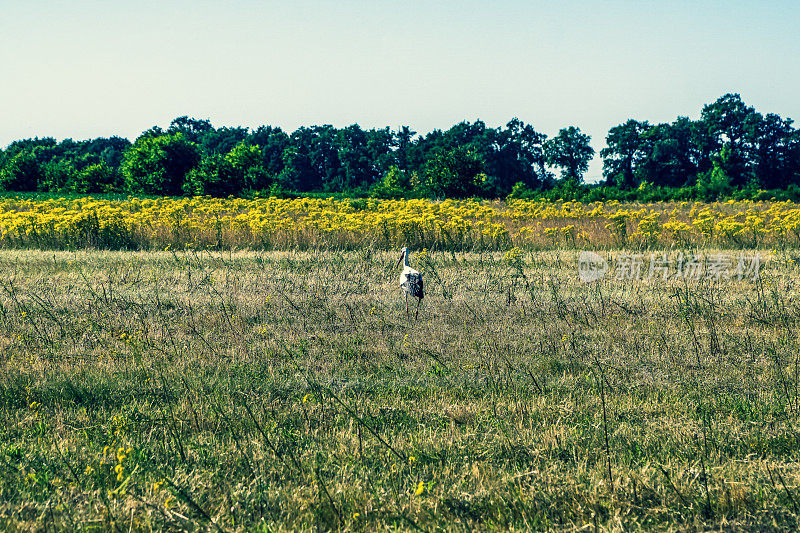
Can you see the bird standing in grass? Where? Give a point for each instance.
(411, 282)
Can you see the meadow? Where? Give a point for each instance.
(283, 390)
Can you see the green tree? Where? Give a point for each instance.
(58, 175)
(272, 142)
(670, 155)
(571, 151)
(456, 173)
(727, 121)
(311, 160)
(221, 140)
(23, 163)
(519, 157)
(223, 175)
(356, 162)
(158, 164)
(716, 183)
(772, 150)
(507, 155)
(98, 177)
(396, 183)
(623, 153)
(205, 178)
(246, 167)
(22, 172)
(404, 142)
(193, 129)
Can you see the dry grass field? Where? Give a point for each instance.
(277, 391)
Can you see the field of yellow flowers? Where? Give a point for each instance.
(306, 223)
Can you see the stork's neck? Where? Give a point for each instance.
(405, 259)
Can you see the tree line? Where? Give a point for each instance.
(730, 149)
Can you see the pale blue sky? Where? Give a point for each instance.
(84, 69)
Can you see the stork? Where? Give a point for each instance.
(411, 282)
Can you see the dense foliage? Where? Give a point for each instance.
(731, 150)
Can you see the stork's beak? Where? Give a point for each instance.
(399, 260)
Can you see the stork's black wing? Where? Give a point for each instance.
(414, 285)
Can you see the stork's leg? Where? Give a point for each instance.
(406, 304)
(416, 315)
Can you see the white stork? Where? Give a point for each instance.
(411, 282)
